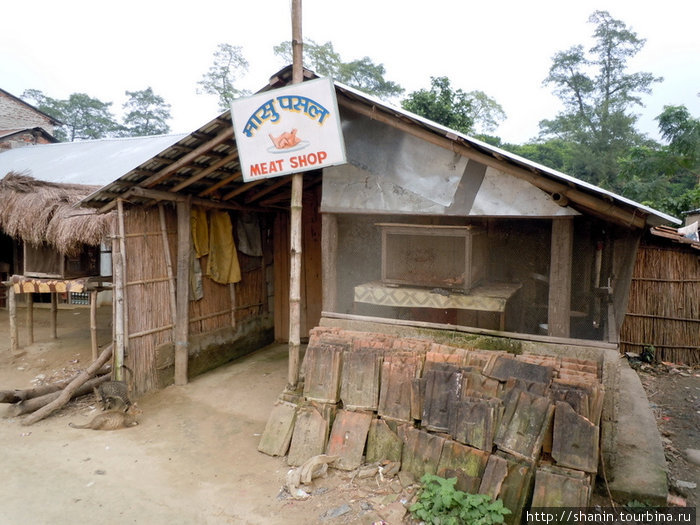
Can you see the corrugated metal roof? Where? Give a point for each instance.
(92, 162)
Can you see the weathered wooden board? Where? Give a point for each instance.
(558, 487)
(574, 440)
(398, 372)
(322, 372)
(278, 430)
(505, 367)
(465, 463)
(509, 479)
(348, 438)
(443, 387)
(473, 421)
(309, 437)
(383, 443)
(359, 386)
(421, 451)
(525, 421)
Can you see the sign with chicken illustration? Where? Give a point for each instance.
(288, 130)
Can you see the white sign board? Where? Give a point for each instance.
(288, 130)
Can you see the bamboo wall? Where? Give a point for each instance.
(664, 305)
(149, 297)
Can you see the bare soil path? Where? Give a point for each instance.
(192, 460)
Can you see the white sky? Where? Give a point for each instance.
(104, 48)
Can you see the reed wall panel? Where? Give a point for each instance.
(664, 305)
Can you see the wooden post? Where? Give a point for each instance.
(121, 350)
(295, 217)
(559, 312)
(182, 321)
(93, 324)
(54, 315)
(329, 253)
(168, 266)
(118, 302)
(29, 302)
(12, 307)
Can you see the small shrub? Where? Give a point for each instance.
(440, 503)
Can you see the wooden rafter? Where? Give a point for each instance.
(272, 187)
(206, 171)
(220, 184)
(188, 158)
(244, 187)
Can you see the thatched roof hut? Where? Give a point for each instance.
(39, 212)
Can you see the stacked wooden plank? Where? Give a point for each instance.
(503, 425)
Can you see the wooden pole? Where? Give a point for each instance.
(12, 307)
(559, 313)
(118, 301)
(54, 316)
(122, 350)
(93, 324)
(182, 321)
(296, 225)
(168, 266)
(29, 301)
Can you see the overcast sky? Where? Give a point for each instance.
(502, 48)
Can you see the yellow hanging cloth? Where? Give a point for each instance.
(223, 260)
(200, 230)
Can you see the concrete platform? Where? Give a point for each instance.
(640, 466)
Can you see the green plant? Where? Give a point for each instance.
(440, 503)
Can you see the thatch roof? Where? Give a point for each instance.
(39, 212)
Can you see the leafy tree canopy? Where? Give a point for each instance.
(84, 117)
(454, 108)
(145, 114)
(598, 94)
(223, 75)
(362, 74)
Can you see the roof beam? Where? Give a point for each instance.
(244, 187)
(282, 182)
(206, 171)
(186, 159)
(221, 183)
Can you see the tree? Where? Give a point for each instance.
(598, 94)
(221, 78)
(145, 114)
(666, 176)
(84, 117)
(362, 74)
(454, 108)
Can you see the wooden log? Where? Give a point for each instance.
(123, 350)
(295, 245)
(30, 405)
(16, 395)
(68, 392)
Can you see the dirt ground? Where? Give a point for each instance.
(674, 396)
(194, 459)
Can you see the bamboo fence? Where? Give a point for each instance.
(150, 288)
(664, 305)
